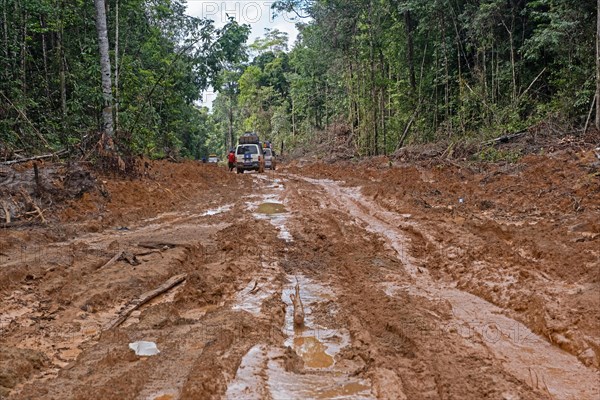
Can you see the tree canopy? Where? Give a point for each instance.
(376, 74)
(387, 72)
(162, 60)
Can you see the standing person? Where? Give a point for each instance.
(231, 159)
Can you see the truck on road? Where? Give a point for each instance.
(249, 154)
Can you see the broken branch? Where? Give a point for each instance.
(146, 297)
(506, 138)
(112, 260)
(42, 157)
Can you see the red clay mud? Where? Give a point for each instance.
(423, 281)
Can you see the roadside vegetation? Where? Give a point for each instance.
(365, 78)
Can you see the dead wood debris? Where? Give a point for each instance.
(42, 157)
(146, 253)
(146, 297)
(32, 204)
(112, 260)
(6, 212)
(122, 256)
(298, 307)
(157, 245)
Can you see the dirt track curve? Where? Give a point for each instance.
(402, 300)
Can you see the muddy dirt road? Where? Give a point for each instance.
(407, 293)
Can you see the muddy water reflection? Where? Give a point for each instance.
(315, 343)
(271, 208)
(312, 352)
(263, 373)
(275, 212)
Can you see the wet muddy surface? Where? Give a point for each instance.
(400, 300)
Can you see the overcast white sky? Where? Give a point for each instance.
(257, 14)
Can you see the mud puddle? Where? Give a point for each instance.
(262, 287)
(315, 343)
(270, 208)
(304, 366)
(218, 210)
(525, 355)
(273, 372)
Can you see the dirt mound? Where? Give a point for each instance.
(73, 192)
(28, 190)
(166, 186)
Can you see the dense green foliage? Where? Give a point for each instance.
(376, 74)
(162, 60)
(381, 73)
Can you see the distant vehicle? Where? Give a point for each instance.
(249, 157)
(212, 158)
(249, 154)
(269, 158)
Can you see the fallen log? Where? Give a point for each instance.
(506, 138)
(42, 157)
(146, 297)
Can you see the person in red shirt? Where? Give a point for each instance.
(231, 160)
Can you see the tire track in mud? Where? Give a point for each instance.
(374, 328)
(529, 358)
(303, 363)
(403, 352)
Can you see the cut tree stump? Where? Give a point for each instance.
(146, 297)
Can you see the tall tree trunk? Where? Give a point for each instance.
(410, 50)
(24, 18)
(372, 147)
(230, 139)
(294, 120)
(598, 68)
(509, 30)
(14, 52)
(62, 70)
(107, 116)
(5, 27)
(45, 56)
(117, 66)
